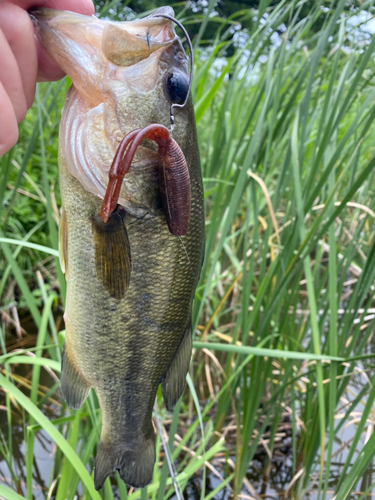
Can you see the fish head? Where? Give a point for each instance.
(125, 75)
(121, 62)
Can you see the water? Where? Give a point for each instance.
(265, 480)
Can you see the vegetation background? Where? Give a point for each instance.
(280, 397)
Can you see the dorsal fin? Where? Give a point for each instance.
(73, 387)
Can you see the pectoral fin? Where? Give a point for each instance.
(74, 389)
(63, 242)
(112, 253)
(174, 382)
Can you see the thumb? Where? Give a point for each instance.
(48, 69)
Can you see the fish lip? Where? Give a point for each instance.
(123, 43)
(45, 14)
(165, 36)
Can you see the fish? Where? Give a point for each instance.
(130, 281)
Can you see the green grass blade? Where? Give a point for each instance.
(38, 416)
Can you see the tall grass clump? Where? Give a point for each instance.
(284, 311)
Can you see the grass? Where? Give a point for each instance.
(284, 311)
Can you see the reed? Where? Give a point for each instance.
(284, 311)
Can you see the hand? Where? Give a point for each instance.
(24, 61)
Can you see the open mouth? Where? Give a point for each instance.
(125, 45)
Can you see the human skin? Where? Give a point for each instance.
(24, 61)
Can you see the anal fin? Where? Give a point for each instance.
(112, 253)
(73, 388)
(174, 382)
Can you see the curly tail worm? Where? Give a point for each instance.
(174, 179)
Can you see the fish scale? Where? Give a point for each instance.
(138, 333)
(130, 282)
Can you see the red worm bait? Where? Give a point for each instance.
(174, 180)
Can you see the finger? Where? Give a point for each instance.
(10, 78)
(19, 32)
(48, 69)
(85, 7)
(8, 123)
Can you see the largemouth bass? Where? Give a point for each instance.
(130, 281)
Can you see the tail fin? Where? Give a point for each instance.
(135, 466)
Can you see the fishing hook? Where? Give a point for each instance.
(191, 57)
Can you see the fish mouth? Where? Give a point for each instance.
(122, 43)
(119, 73)
(127, 45)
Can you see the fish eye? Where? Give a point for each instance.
(177, 86)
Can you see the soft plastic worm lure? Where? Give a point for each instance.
(174, 181)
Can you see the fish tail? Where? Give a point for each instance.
(135, 466)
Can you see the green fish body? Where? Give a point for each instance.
(130, 282)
